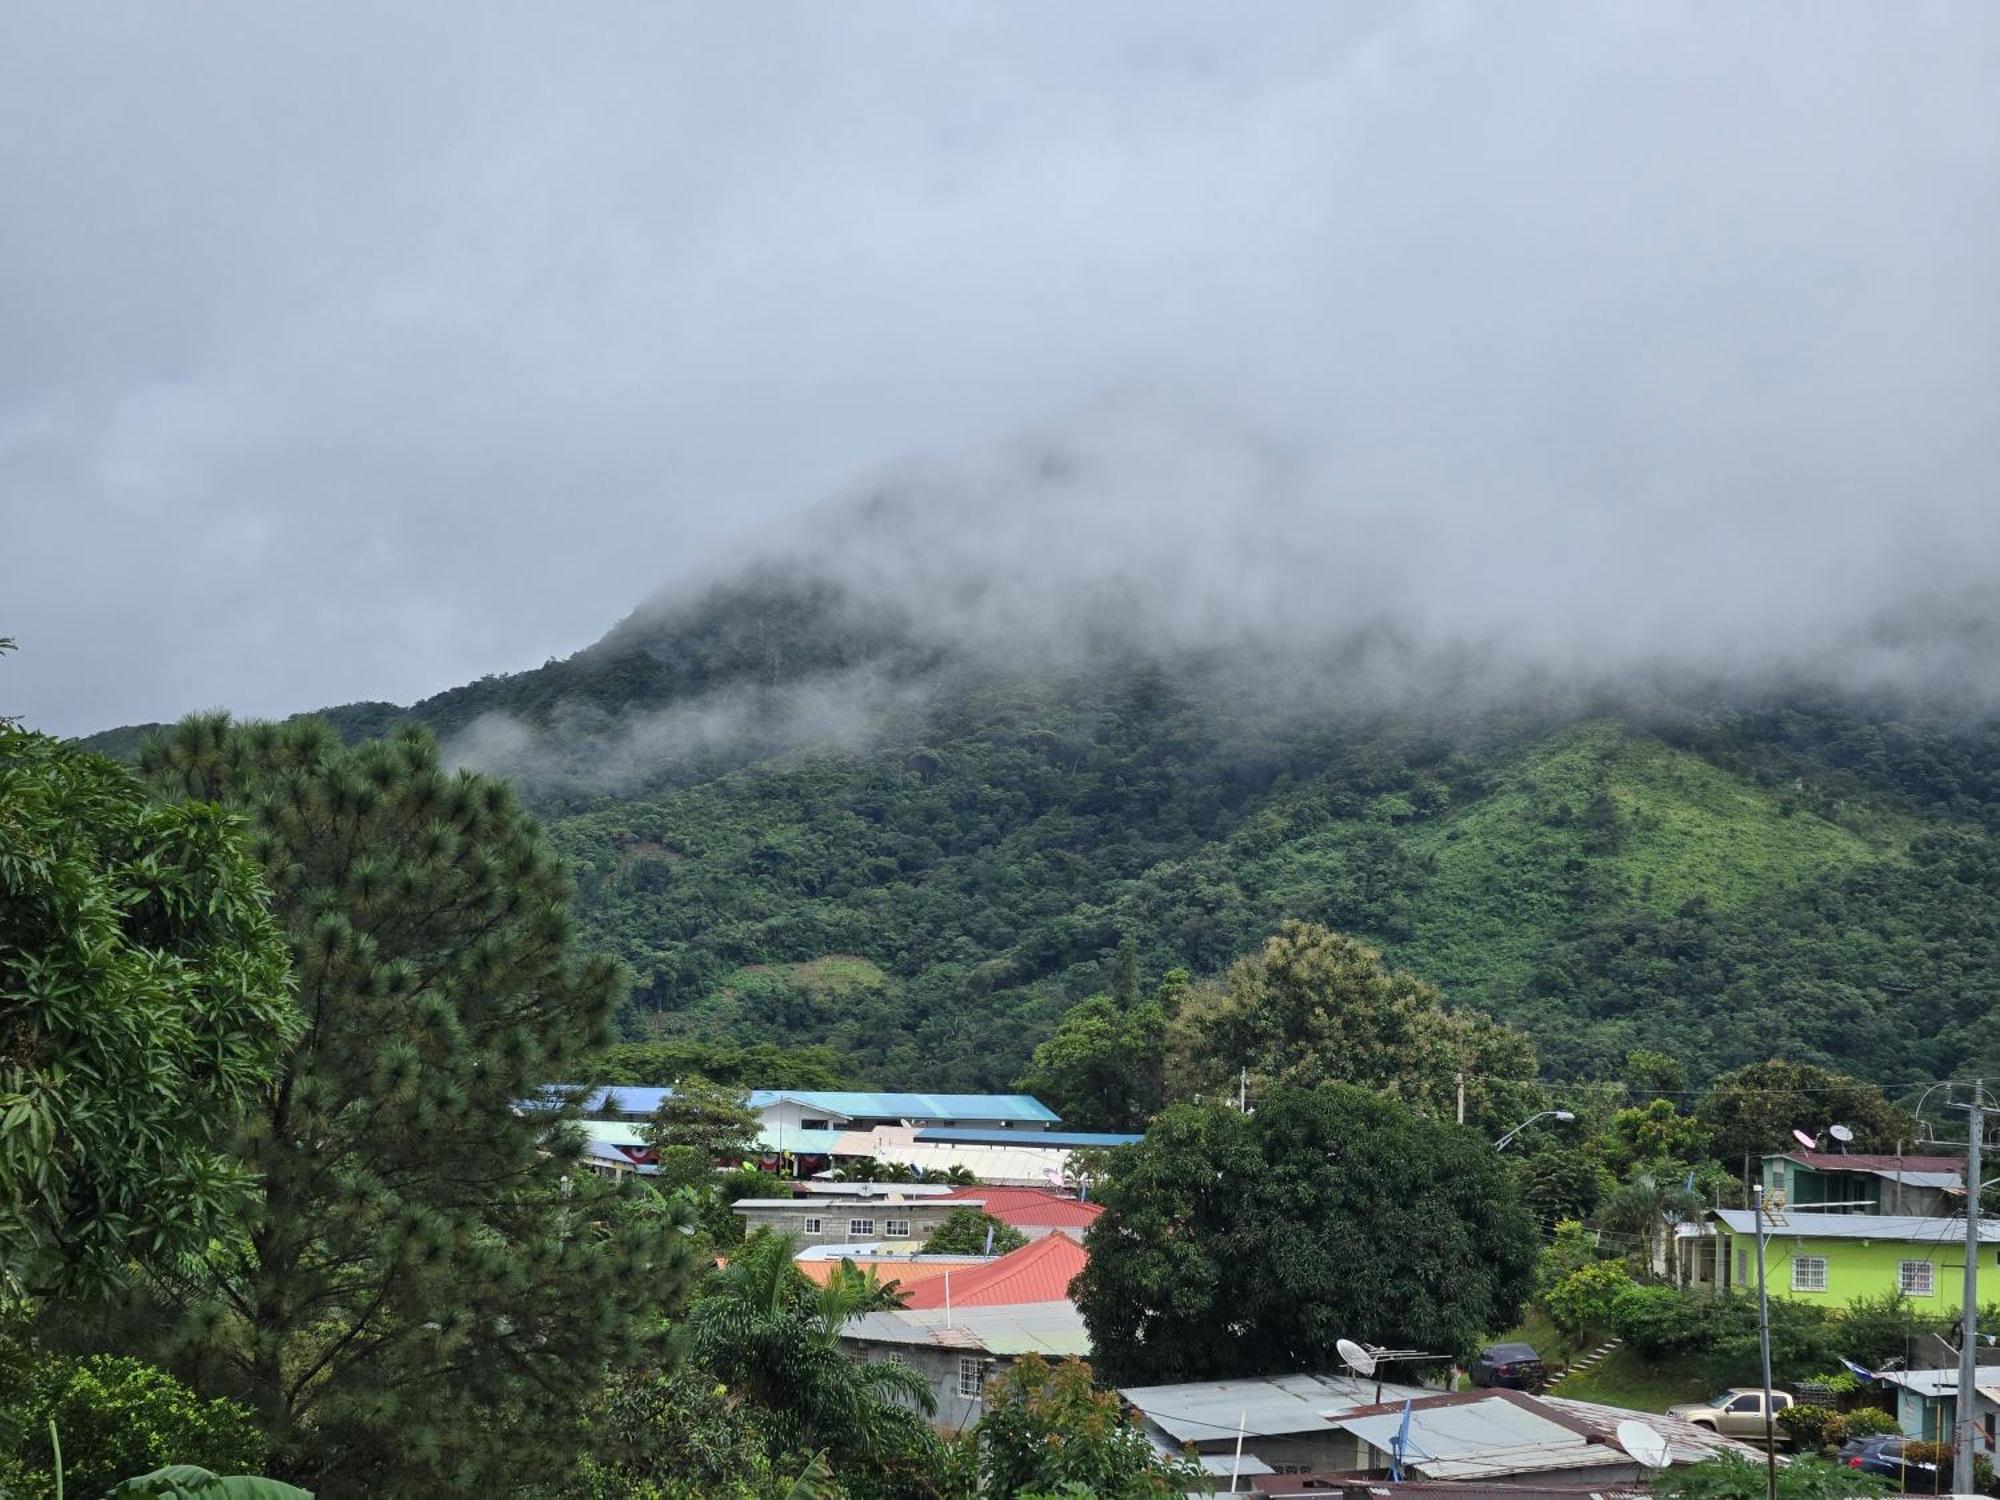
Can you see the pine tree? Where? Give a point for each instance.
(430, 1288)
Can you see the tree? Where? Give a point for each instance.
(1646, 1209)
(1754, 1110)
(117, 1417)
(773, 1338)
(429, 1288)
(1559, 1183)
(1234, 1244)
(1581, 1302)
(964, 1231)
(671, 1434)
(144, 1002)
(759, 1065)
(697, 1127)
(1047, 1426)
(1654, 1135)
(1727, 1477)
(1315, 1006)
(1104, 1069)
(1650, 1075)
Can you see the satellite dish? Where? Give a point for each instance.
(1804, 1140)
(1645, 1444)
(1840, 1133)
(1356, 1358)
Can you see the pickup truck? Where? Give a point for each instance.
(1737, 1412)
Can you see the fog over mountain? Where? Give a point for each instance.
(1628, 333)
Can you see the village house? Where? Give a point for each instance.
(1834, 1182)
(1834, 1258)
(959, 1349)
(886, 1218)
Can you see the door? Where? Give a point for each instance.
(1744, 1416)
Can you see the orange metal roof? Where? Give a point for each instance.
(894, 1267)
(1030, 1206)
(1040, 1271)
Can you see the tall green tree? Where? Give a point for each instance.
(1234, 1244)
(429, 1288)
(699, 1126)
(964, 1231)
(1047, 1428)
(1104, 1069)
(1315, 1006)
(773, 1338)
(144, 1003)
(1754, 1110)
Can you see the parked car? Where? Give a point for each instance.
(1515, 1367)
(1737, 1412)
(1883, 1454)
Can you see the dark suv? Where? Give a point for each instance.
(1884, 1455)
(1514, 1367)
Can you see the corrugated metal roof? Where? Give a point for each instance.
(856, 1105)
(1072, 1139)
(910, 1270)
(1204, 1411)
(1786, 1224)
(1490, 1435)
(1835, 1161)
(1052, 1328)
(1934, 1383)
(1040, 1271)
(1686, 1443)
(643, 1099)
(1032, 1208)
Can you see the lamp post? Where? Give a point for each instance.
(1563, 1115)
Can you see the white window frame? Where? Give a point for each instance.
(895, 1229)
(861, 1229)
(812, 1226)
(971, 1377)
(1808, 1273)
(1917, 1278)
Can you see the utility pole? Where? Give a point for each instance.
(1764, 1350)
(1968, 1317)
(1461, 1096)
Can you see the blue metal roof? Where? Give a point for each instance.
(634, 1099)
(1059, 1139)
(869, 1106)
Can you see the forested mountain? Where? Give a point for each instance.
(856, 794)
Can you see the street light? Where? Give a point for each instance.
(1560, 1114)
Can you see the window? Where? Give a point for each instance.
(971, 1376)
(1747, 1403)
(1917, 1278)
(812, 1124)
(861, 1229)
(812, 1226)
(1808, 1273)
(896, 1229)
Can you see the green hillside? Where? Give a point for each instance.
(1723, 876)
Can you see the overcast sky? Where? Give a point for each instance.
(352, 351)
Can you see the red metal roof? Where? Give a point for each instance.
(1040, 1271)
(1031, 1207)
(1835, 1161)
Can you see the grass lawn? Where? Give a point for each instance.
(1621, 1378)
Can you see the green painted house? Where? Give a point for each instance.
(1833, 1258)
(1837, 1182)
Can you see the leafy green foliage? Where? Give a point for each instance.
(1314, 1006)
(117, 1416)
(1876, 1330)
(144, 1001)
(697, 1127)
(191, 1482)
(1755, 1109)
(671, 1435)
(1235, 1244)
(1660, 1322)
(1581, 1302)
(428, 1288)
(1727, 1477)
(963, 1231)
(756, 1066)
(1105, 1067)
(1816, 1428)
(772, 1337)
(1047, 1427)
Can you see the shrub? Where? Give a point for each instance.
(1813, 1427)
(119, 1417)
(1875, 1330)
(1582, 1301)
(1660, 1322)
(1867, 1421)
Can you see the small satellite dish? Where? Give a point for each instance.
(1840, 1133)
(1804, 1140)
(1645, 1444)
(1356, 1358)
